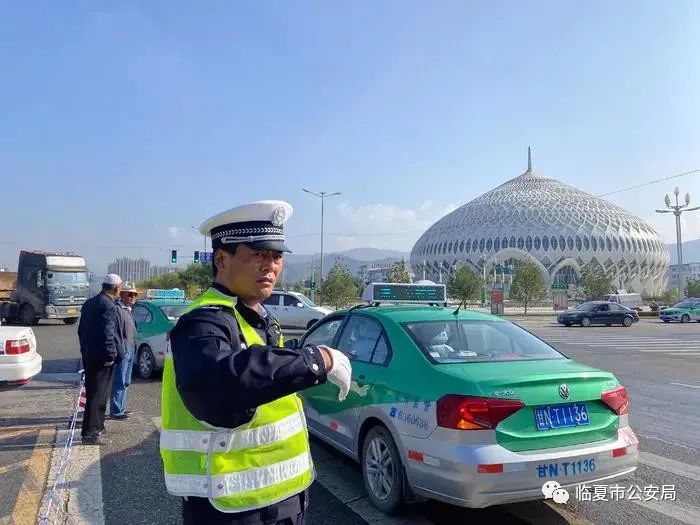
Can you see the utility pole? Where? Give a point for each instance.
(677, 210)
(322, 195)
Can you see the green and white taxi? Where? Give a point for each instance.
(155, 316)
(463, 407)
(683, 312)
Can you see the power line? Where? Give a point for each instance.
(650, 183)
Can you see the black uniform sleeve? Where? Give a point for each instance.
(222, 383)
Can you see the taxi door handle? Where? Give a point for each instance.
(361, 380)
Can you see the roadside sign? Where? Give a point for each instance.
(205, 257)
(497, 301)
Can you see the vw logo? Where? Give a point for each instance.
(564, 391)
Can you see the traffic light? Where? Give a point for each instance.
(173, 256)
(196, 256)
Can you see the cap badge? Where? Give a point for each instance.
(278, 216)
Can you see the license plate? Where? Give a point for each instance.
(561, 416)
(565, 468)
(71, 310)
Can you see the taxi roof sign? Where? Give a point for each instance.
(405, 293)
(159, 293)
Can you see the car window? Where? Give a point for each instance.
(359, 338)
(477, 341)
(604, 308)
(324, 333)
(273, 300)
(381, 352)
(290, 300)
(173, 313)
(142, 314)
(617, 308)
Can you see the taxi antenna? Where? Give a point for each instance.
(458, 307)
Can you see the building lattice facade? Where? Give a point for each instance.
(558, 227)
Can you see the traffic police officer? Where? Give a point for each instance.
(234, 441)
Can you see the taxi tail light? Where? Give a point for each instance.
(617, 400)
(474, 413)
(16, 346)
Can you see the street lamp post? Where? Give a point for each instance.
(205, 238)
(677, 209)
(322, 195)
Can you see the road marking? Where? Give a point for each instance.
(683, 354)
(689, 386)
(28, 502)
(84, 479)
(675, 350)
(676, 510)
(15, 466)
(670, 465)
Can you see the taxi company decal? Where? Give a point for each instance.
(414, 414)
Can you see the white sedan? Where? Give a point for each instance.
(19, 360)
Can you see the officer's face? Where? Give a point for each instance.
(250, 274)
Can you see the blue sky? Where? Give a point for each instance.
(125, 123)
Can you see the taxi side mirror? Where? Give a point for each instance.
(300, 305)
(292, 344)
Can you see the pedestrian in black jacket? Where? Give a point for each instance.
(101, 345)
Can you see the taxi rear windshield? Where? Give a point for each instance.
(477, 341)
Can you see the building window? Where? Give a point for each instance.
(528, 243)
(521, 243)
(615, 244)
(467, 245)
(482, 244)
(504, 243)
(601, 242)
(586, 243)
(497, 244)
(571, 242)
(545, 243)
(608, 244)
(489, 244)
(579, 244)
(537, 243)
(512, 242)
(449, 248)
(562, 243)
(594, 244)
(554, 243)
(461, 247)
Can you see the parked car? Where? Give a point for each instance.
(683, 312)
(464, 407)
(599, 313)
(294, 309)
(19, 359)
(155, 316)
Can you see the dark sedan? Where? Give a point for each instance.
(599, 313)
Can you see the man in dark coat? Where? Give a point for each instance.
(101, 346)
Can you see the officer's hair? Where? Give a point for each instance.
(111, 288)
(214, 269)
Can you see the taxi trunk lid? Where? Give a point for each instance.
(562, 399)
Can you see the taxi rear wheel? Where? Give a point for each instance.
(685, 318)
(146, 362)
(382, 470)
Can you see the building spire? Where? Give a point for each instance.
(529, 159)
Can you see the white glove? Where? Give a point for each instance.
(340, 372)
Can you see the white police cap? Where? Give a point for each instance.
(259, 224)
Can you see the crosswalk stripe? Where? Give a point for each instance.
(670, 465)
(684, 354)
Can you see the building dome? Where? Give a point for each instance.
(557, 226)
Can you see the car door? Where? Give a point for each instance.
(271, 304)
(321, 403)
(695, 311)
(292, 311)
(144, 322)
(617, 313)
(602, 314)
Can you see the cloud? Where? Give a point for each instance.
(382, 225)
(174, 232)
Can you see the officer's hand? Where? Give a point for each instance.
(109, 363)
(340, 370)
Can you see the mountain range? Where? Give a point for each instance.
(298, 266)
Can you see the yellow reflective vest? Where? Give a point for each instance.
(252, 466)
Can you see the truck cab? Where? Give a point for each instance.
(48, 286)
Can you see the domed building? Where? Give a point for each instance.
(556, 226)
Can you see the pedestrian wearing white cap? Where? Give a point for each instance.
(234, 441)
(121, 379)
(101, 344)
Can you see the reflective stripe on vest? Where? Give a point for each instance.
(254, 465)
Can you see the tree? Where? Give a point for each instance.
(339, 287)
(464, 284)
(669, 296)
(692, 288)
(594, 281)
(528, 285)
(398, 273)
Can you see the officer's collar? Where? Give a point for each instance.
(251, 315)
